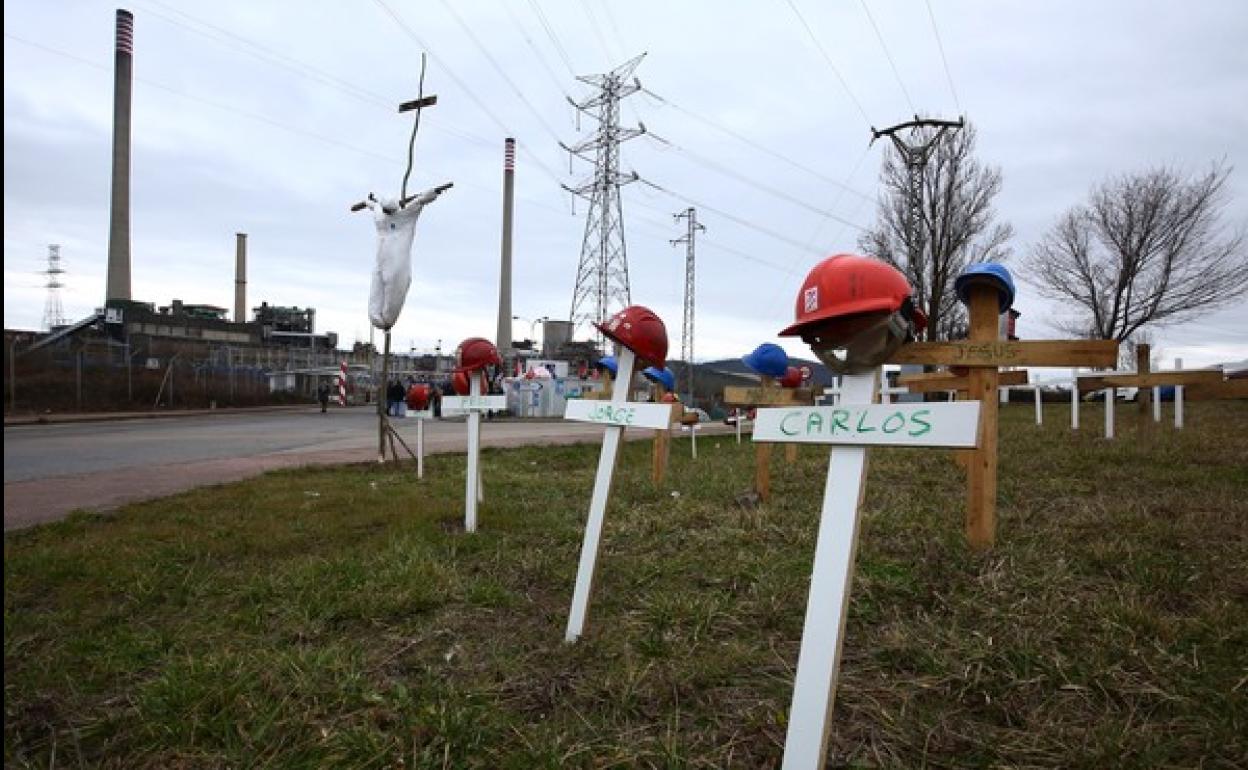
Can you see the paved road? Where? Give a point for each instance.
(50, 470)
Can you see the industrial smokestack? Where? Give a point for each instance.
(503, 339)
(240, 278)
(118, 285)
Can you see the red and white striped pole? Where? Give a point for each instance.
(342, 384)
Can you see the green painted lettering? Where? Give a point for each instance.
(917, 419)
(861, 417)
(840, 419)
(901, 421)
(814, 424)
(784, 424)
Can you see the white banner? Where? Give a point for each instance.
(934, 425)
(474, 403)
(628, 414)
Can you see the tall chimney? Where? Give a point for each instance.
(503, 339)
(240, 278)
(118, 285)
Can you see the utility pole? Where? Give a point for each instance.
(686, 330)
(602, 274)
(915, 154)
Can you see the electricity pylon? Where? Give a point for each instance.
(53, 312)
(916, 156)
(686, 330)
(602, 274)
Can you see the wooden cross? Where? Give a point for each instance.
(474, 404)
(983, 354)
(850, 427)
(617, 414)
(767, 394)
(662, 437)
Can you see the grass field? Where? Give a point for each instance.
(341, 618)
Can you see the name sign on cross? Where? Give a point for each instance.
(923, 425)
(627, 415)
(473, 403)
(851, 428)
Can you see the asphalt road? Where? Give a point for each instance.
(52, 469)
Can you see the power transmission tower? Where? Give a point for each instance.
(602, 274)
(53, 313)
(916, 155)
(686, 330)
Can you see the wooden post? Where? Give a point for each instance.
(662, 443)
(1178, 398)
(383, 401)
(981, 509)
(420, 447)
(598, 505)
(1074, 399)
(1110, 393)
(762, 461)
(1143, 395)
(1039, 408)
(472, 487)
(836, 545)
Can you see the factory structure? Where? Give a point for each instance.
(278, 346)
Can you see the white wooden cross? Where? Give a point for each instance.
(420, 417)
(617, 414)
(474, 404)
(850, 427)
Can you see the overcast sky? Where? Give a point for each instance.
(271, 118)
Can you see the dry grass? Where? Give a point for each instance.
(338, 617)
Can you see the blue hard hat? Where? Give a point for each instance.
(768, 359)
(663, 377)
(609, 363)
(989, 272)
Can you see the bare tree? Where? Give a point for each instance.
(953, 225)
(1147, 248)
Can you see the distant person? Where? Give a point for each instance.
(322, 395)
(435, 399)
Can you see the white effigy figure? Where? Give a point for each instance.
(392, 273)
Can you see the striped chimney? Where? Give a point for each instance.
(118, 283)
(503, 339)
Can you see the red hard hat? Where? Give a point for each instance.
(477, 353)
(845, 285)
(640, 330)
(459, 381)
(792, 378)
(418, 397)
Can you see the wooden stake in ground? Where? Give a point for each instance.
(982, 355)
(766, 394)
(851, 427)
(474, 404)
(617, 414)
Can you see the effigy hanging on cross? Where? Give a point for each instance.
(395, 220)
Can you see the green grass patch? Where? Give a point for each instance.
(339, 617)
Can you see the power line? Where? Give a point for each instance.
(888, 55)
(550, 33)
(464, 87)
(264, 53)
(533, 47)
(752, 143)
(450, 8)
(262, 119)
(593, 23)
(941, 46)
(739, 220)
(726, 171)
(828, 59)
